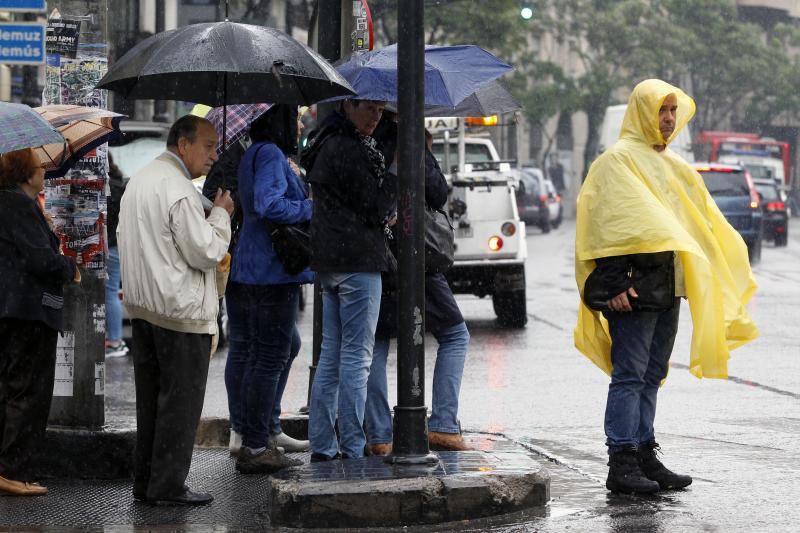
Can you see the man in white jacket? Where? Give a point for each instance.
(168, 252)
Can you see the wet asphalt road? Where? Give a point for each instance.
(738, 438)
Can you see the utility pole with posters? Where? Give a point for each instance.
(77, 54)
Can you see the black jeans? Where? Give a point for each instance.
(27, 371)
(171, 369)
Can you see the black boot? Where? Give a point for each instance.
(655, 469)
(625, 475)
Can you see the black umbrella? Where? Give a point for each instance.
(223, 63)
(493, 99)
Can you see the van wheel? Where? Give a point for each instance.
(511, 309)
(782, 239)
(754, 251)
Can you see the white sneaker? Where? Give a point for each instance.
(235, 444)
(120, 350)
(289, 444)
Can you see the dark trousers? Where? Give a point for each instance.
(263, 341)
(27, 371)
(171, 369)
(641, 345)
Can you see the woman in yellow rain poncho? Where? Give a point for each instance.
(640, 200)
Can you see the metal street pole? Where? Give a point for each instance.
(410, 414)
(160, 113)
(329, 39)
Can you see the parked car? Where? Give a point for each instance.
(538, 202)
(776, 217)
(141, 142)
(736, 196)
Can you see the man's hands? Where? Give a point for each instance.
(224, 200)
(621, 303)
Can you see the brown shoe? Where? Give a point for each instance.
(452, 442)
(20, 488)
(380, 449)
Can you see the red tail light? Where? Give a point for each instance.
(776, 206)
(543, 198)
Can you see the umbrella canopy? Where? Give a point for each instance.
(237, 123)
(22, 127)
(224, 63)
(493, 99)
(81, 136)
(451, 73)
(58, 115)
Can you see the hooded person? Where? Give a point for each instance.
(648, 233)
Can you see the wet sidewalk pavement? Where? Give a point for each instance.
(242, 502)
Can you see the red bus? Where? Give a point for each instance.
(764, 158)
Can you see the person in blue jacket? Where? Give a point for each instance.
(262, 299)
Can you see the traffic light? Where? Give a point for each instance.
(526, 10)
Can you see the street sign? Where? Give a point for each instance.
(22, 5)
(22, 43)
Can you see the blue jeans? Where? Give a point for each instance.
(263, 342)
(350, 305)
(641, 344)
(450, 358)
(113, 303)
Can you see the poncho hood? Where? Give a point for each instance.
(641, 118)
(637, 200)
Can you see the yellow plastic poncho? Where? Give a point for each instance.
(637, 200)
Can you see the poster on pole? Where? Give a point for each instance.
(65, 364)
(62, 37)
(77, 202)
(362, 33)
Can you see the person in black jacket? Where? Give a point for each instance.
(354, 197)
(32, 273)
(442, 318)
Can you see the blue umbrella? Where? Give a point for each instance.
(22, 127)
(451, 73)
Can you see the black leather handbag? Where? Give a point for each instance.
(439, 241)
(652, 276)
(292, 245)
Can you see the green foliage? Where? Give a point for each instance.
(492, 24)
(583, 55)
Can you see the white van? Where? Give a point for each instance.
(612, 125)
(490, 245)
